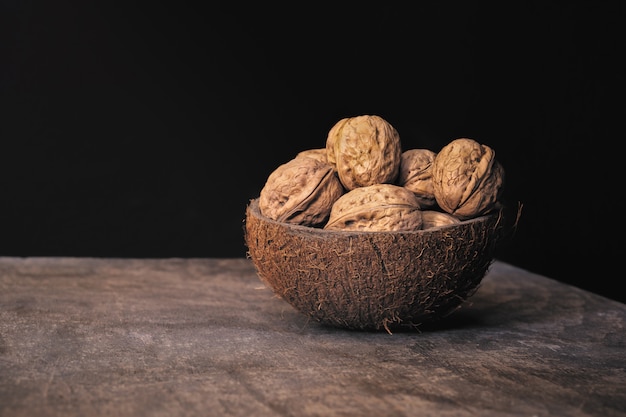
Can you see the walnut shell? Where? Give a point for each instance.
(433, 218)
(316, 153)
(365, 150)
(378, 207)
(301, 191)
(467, 178)
(415, 174)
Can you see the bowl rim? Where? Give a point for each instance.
(253, 207)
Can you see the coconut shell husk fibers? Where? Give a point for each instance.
(371, 280)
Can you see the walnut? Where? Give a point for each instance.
(378, 207)
(300, 191)
(467, 178)
(316, 153)
(433, 218)
(365, 150)
(415, 174)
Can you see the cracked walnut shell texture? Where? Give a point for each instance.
(467, 178)
(364, 150)
(300, 191)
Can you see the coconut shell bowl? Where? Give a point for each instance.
(372, 280)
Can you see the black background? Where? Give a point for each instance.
(135, 130)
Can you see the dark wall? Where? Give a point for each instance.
(133, 131)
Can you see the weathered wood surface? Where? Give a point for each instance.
(204, 337)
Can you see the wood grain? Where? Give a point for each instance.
(127, 337)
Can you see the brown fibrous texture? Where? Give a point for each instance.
(371, 280)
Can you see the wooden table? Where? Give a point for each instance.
(204, 337)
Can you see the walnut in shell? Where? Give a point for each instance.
(373, 208)
(316, 153)
(301, 191)
(434, 218)
(415, 174)
(365, 150)
(467, 178)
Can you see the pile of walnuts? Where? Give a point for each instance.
(363, 181)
